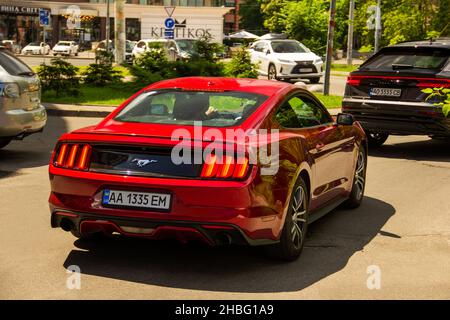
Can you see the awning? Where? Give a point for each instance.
(82, 12)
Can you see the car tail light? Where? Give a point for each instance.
(353, 81)
(228, 167)
(73, 156)
(433, 83)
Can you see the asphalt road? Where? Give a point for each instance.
(402, 231)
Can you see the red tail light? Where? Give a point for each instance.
(433, 83)
(73, 156)
(226, 168)
(353, 81)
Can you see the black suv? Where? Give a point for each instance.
(385, 94)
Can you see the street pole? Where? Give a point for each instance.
(350, 33)
(326, 82)
(108, 28)
(377, 27)
(119, 31)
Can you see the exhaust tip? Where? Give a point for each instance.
(223, 238)
(66, 224)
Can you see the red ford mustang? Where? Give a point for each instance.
(182, 158)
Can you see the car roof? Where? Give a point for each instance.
(264, 87)
(438, 43)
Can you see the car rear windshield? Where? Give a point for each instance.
(215, 109)
(63, 43)
(14, 66)
(408, 59)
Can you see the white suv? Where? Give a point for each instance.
(286, 59)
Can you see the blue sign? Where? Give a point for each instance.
(44, 17)
(169, 34)
(169, 23)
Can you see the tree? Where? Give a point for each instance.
(251, 17)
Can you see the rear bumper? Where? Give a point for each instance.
(210, 233)
(396, 117)
(194, 203)
(14, 123)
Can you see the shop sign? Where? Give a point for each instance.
(18, 10)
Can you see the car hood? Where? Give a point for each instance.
(61, 47)
(303, 56)
(32, 47)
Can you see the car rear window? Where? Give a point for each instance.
(14, 66)
(408, 59)
(215, 109)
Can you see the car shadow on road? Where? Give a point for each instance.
(332, 241)
(420, 150)
(33, 151)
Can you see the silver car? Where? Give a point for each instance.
(21, 112)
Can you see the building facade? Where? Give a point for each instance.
(84, 21)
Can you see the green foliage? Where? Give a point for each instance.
(251, 17)
(101, 74)
(366, 49)
(439, 97)
(402, 20)
(60, 76)
(241, 66)
(104, 57)
(206, 50)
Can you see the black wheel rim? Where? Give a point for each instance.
(359, 180)
(298, 217)
(377, 136)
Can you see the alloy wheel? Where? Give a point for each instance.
(360, 174)
(298, 216)
(272, 74)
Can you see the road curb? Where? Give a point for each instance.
(68, 110)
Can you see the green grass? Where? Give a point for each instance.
(116, 94)
(108, 96)
(123, 71)
(330, 102)
(343, 67)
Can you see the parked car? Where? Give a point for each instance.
(125, 179)
(286, 59)
(101, 47)
(11, 45)
(170, 47)
(21, 112)
(36, 48)
(66, 48)
(386, 93)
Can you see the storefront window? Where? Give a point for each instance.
(133, 29)
(22, 29)
(88, 32)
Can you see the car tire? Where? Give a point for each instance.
(4, 142)
(76, 54)
(295, 226)
(376, 139)
(55, 54)
(314, 80)
(359, 181)
(272, 72)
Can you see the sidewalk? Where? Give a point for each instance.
(70, 110)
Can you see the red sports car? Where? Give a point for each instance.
(221, 160)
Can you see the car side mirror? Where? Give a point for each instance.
(345, 119)
(267, 52)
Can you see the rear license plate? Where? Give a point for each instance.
(306, 70)
(146, 200)
(387, 92)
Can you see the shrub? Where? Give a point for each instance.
(104, 57)
(241, 66)
(99, 75)
(60, 76)
(206, 50)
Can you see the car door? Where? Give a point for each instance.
(264, 58)
(255, 55)
(330, 147)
